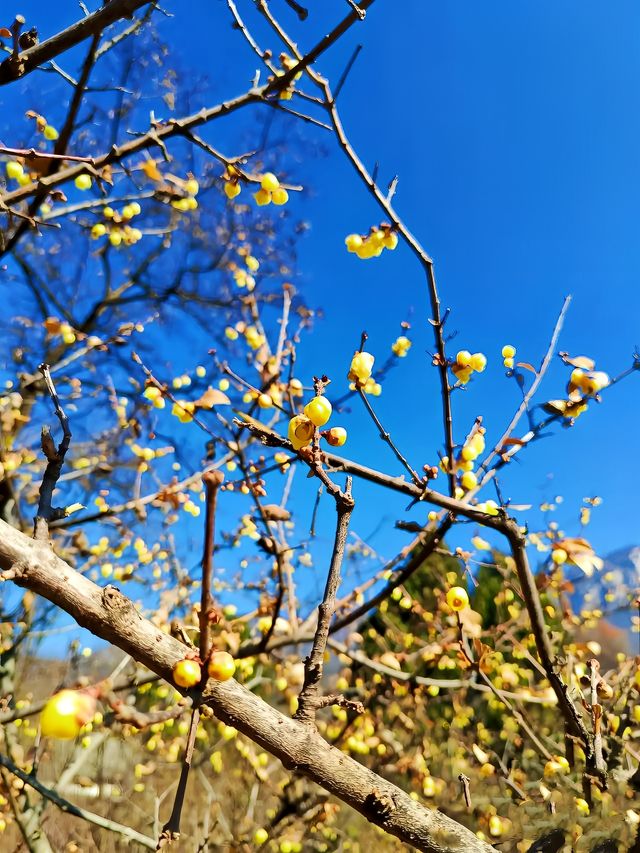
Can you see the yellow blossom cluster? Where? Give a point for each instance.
(184, 410)
(466, 364)
(253, 336)
(270, 191)
(244, 277)
(508, 353)
(116, 225)
(49, 131)
(191, 188)
(465, 463)
(316, 414)
(371, 245)
(401, 346)
(15, 171)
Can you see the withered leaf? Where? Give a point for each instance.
(508, 442)
(555, 406)
(212, 397)
(581, 361)
(274, 512)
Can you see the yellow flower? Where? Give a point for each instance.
(300, 431)
(183, 410)
(401, 346)
(361, 367)
(457, 598)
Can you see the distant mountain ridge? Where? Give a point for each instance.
(609, 590)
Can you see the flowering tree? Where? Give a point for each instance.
(441, 675)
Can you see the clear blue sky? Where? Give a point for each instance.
(514, 130)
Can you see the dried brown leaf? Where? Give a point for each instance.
(581, 361)
(212, 397)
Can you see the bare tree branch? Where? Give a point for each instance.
(24, 63)
(111, 615)
(77, 811)
(314, 663)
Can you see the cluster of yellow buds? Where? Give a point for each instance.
(116, 225)
(489, 507)
(249, 528)
(56, 327)
(154, 395)
(270, 191)
(465, 463)
(508, 353)
(16, 172)
(192, 508)
(254, 338)
(101, 503)
(243, 277)
(372, 245)
(401, 346)
(146, 454)
(466, 364)
(189, 201)
(183, 410)
(316, 414)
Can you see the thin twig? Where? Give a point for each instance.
(524, 405)
(386, 437)
(55, 460)
(32, 154)
(314, 663)
(212, 481)
(77, 811)
(171, 829)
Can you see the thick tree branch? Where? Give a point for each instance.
(15, 67)
(113, 617)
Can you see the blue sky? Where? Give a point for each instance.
(513, 128)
